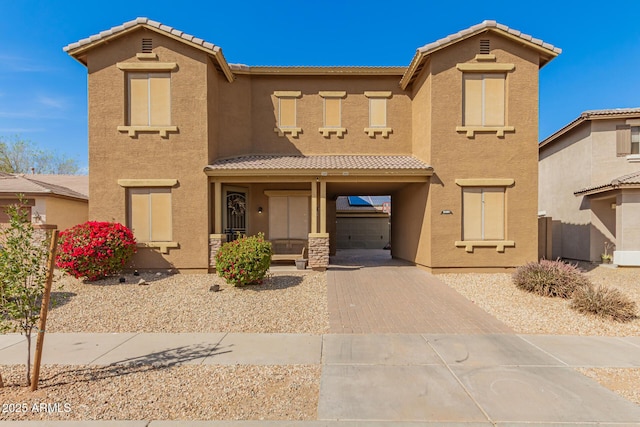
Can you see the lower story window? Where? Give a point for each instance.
(483, 213)
(149, 214)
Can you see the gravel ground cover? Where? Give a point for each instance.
(187, 392)
(287, 302)
(527, 313)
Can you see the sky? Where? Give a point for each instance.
(43, 91)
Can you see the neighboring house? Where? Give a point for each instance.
(60, 200)
(590, 186)
(362, 222)
(187, 149)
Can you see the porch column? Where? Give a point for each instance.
(319, 242)
(314, 207)
(323, 206)
(216, 239)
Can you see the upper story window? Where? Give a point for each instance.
(148, 101)
(627, 140)
(287, 114)
(332, 113)
(483, 99)
(378, 113)
(484, 96)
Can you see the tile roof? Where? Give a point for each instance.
(424, 51)
(632, 179)
(35, 184)
(214, 50)
(483, 26)
(590, 115)
(146, 21)
(319, 163)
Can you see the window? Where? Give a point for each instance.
(484, 99)
(148, 96)
(288, 217)
(483, 213)
(627, 140)
(378, 113)
(286, 114)
(149, 99)
(484, 95)
(150, 214)
(332, 114)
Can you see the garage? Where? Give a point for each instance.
(362, 222)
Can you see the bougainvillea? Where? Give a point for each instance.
(95, 249)
(244, 261)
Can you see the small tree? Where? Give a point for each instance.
(23, 261)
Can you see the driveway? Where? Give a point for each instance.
(371, 293)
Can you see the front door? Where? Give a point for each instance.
(235, 216)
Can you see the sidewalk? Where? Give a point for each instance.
(388, 379)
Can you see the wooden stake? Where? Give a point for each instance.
(44, 310)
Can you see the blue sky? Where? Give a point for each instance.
(43, 90)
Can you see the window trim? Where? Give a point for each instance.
(283, 130)
(146, 68)
(486, 68)
(500, 245)
(385, 130)
(325, 130)
(164, 246)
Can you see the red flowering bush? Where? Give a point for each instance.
(244, 261)
(95, 249)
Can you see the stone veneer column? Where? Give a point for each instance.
(215, 243)
(319, 251)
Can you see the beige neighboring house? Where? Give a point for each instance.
(60, 200)
(188, 149)
(590, 186)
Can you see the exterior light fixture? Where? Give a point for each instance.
(260, 210)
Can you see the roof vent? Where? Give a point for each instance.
(485, 47)
(147, 45)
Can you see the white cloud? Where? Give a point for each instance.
(49, 101)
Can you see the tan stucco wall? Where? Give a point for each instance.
(114, 155)
(629, 218)
(219, 119)
(66, 213)
(255, 109)
(454, 156)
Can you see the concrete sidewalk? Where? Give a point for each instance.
(388, 379)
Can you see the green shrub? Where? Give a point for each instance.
(608, 303)
(244, 261)
(550, 278)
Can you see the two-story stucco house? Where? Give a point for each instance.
(590, 186)
(186, 148)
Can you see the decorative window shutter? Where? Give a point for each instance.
(623, 140)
